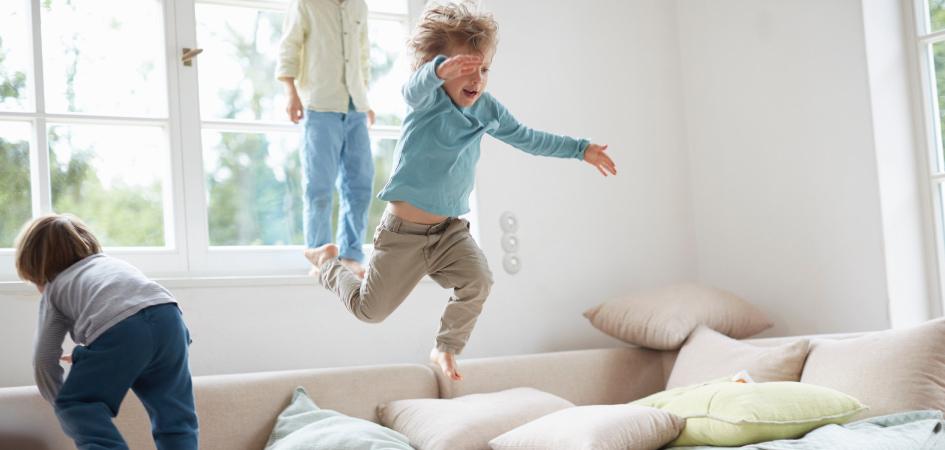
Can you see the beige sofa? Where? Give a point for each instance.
(238, 411)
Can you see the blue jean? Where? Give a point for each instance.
(147, 353)
(336, 151)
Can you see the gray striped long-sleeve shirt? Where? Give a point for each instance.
(85, 300)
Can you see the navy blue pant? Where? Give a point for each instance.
(147, 353)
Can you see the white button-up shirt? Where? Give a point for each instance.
(325, 48)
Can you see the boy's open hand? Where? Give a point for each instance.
(595, 156)
(457, 66)
(294, 108)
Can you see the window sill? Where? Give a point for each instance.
(20, 288)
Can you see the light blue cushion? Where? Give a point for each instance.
(305, 426)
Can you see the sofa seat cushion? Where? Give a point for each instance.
(468, 422)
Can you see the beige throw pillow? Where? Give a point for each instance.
(708, 355)
(468, 422)
(663, 318)
(891, 371)
(598, 427)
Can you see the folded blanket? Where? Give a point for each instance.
(913, 430)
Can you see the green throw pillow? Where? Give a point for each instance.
(729, 414)
(305, 426)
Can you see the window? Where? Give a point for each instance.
(85, 124)
(930, 28)
(179, 169)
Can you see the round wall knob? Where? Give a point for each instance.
(512, 264)
(509, 243)
(508, 222)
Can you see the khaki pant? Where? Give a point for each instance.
(403, 253)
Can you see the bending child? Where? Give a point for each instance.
(129, 332)
(420, 233)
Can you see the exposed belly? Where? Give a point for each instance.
(411, 213)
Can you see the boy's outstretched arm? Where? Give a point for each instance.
(512, 132)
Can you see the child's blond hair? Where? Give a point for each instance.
(50, 244)
(443, 27)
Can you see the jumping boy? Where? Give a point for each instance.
(420, 233)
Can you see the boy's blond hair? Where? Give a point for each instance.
(50, 244)
(446, 26)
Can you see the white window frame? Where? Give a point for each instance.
(931, 157)
(166, 259)
(187, 253)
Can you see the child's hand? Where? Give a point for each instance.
(371, 118)
(457, 66)
(595, 156)
(66, 359)
(294, 108)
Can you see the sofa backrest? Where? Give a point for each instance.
(584, 377)
(236, 412)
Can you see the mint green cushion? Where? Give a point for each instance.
(305, 426)
(724, 413)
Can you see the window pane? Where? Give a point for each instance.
(389, 70)
(238, 66)
(112, 177)
(936, 14)
(254, 188)
(14, 179)
(15, 57)
(388, 6)
(938, 57)
(104, 57)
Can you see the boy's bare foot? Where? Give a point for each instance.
(447, 364)
(354, 266)
(318, 256)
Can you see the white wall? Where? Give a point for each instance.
(757, 148)
(605, 69)
(783, 162)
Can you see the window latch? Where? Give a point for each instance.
(189, 54)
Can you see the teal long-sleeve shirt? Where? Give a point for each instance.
(435, 158)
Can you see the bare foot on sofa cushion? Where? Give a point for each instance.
(318, 256)
(447, 363)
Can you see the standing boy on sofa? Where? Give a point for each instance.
(325, 49)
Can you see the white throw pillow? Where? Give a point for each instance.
(598, 427)
(468, 422)
(708, 355)
(663, 318)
